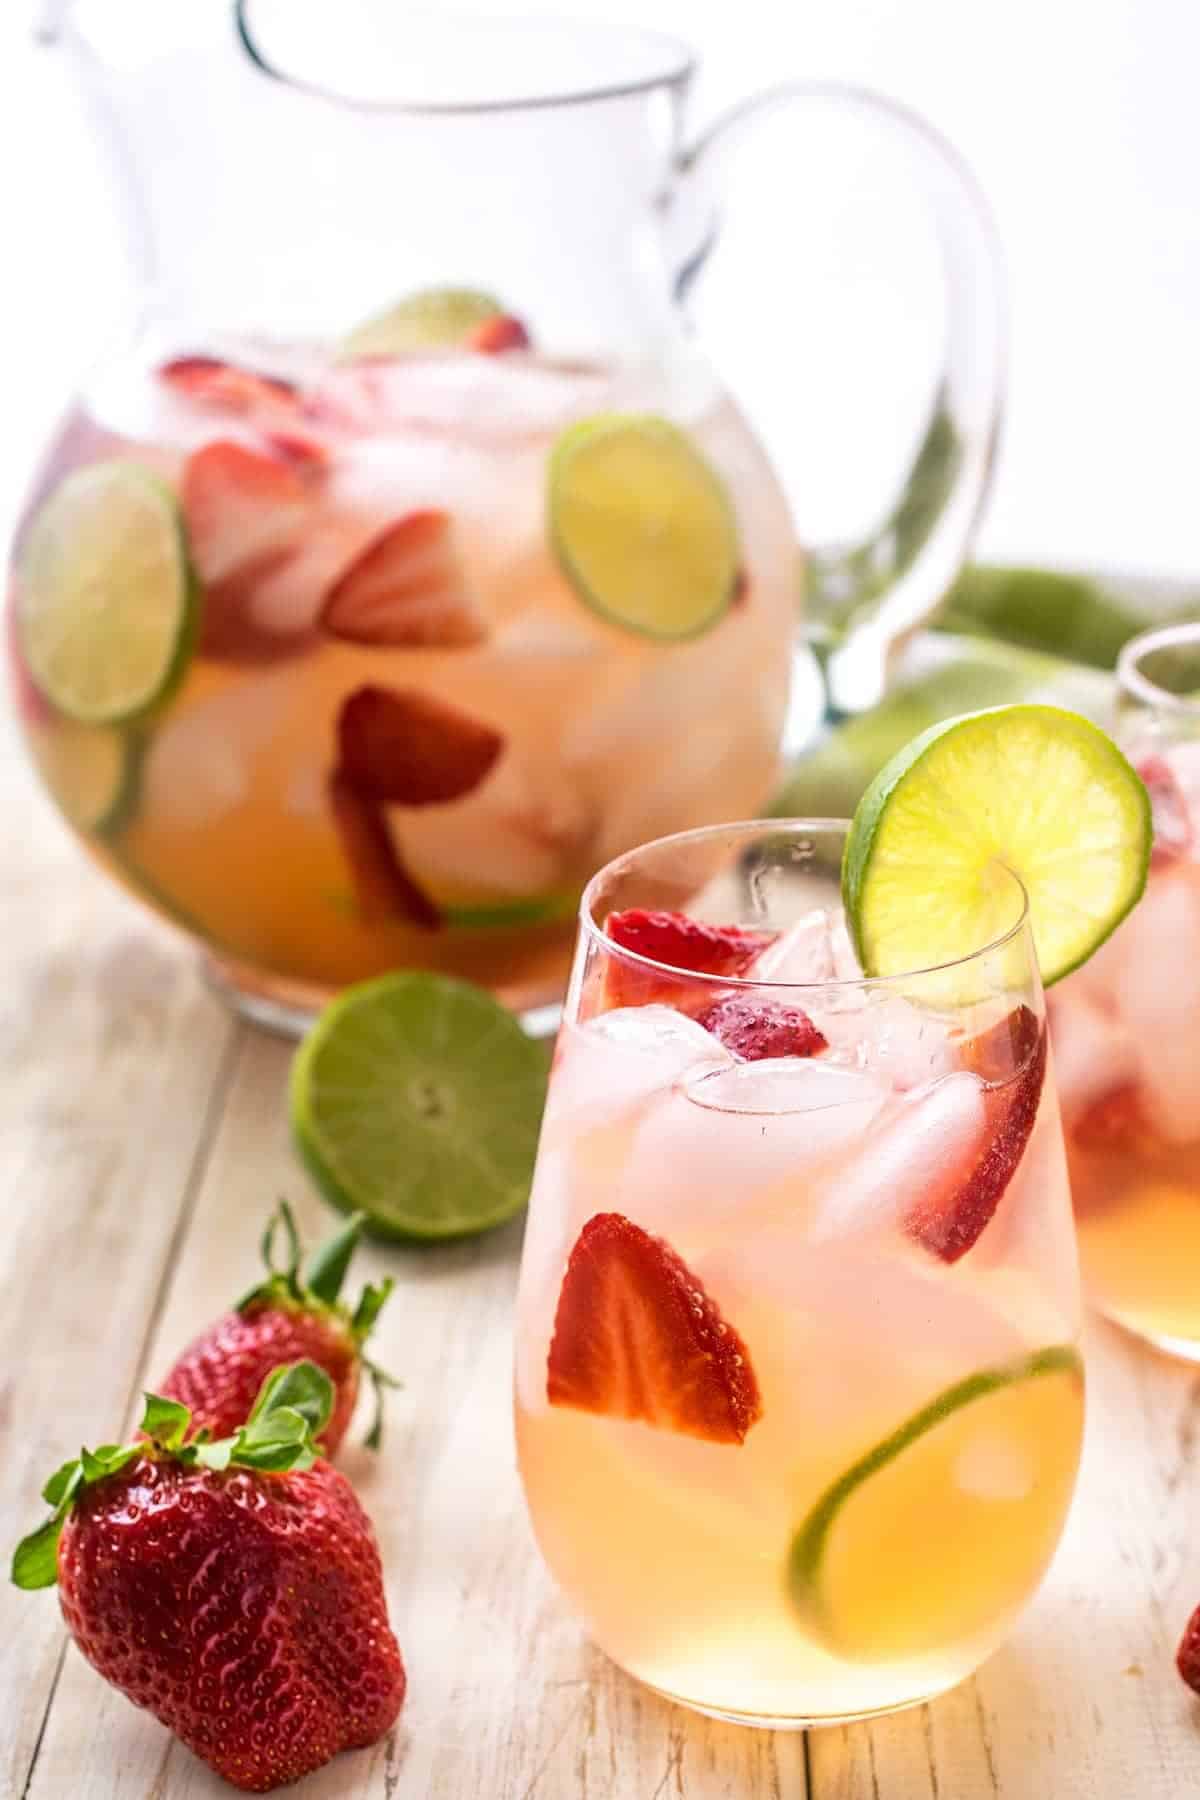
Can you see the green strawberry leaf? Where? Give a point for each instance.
(327, 1269)
(300, 1387)
(380, 1380)
(63, 1484)
(292, 1409)
(164, 1421)
(35, 1560)
(371, 1303)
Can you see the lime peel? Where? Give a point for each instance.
(810, 1541)
(1038, 790)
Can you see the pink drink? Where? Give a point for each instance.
(1127, 1033)
(379, 526)
(874, 1227)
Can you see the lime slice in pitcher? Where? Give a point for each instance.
(417, 1099)
(943, 1528)
(106, 605)
(91, 771)
(1032, 789)
(433, 319)
(642, 525)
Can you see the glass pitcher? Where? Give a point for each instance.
(405, 560)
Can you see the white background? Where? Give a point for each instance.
(1081, 117)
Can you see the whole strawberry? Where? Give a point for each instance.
(232, 1588)
(286, 1318)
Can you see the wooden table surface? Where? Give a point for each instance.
(142, 1138)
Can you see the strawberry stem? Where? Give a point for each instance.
(280, 1436)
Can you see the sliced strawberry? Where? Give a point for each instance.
(948, 1221)
(382, 885)
(1187, 1661)
(680, 942)
(501, 332)
(242, 509)
(406, 589)
(407, 748)
(1116, 1123)
(637, 1337)
(213, 382)
(298, 448)
(246, 515)
(1172, 826)
(754, 1028)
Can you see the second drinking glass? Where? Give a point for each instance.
(1127, 1029)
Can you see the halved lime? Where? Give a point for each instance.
(432, 319)
(106, 605)
(90, 770)
(642, 525)
(417, 1100)
(944, 1528)
(1039, 791)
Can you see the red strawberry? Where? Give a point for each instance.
(501, 332)
(1172, 825)
(681, 943)
(1116, 1124)
(246, 515)
(757, 1028)
(1187, 1660)
(285, 1319)
(383, 887)
(637, 1337)
(950, 1219)
(212, 382)
(407, 748)
(233, 1588)
(306, 453)
(406, 589)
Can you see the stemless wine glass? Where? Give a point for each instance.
(1127, 1029)
(797, 1394)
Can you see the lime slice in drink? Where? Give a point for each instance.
(91, 771)
(106, 605)
(1033, 789)
(433, 319)
(642, 525)
(944, 1527)
(417, 1100)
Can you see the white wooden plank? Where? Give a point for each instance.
(506, 1700)
(1084, 1703)
(110, 1051)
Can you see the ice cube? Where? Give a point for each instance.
(802, 953)
(1094, 1051)
(201, 759)
(918, 1148)
(621, 1059)
(706, 1150)
(1157, 996)
(875, 1028)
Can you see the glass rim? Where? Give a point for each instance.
(1139, 686)
(675, 67)
(812, 826)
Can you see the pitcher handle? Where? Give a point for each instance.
(870, 597)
